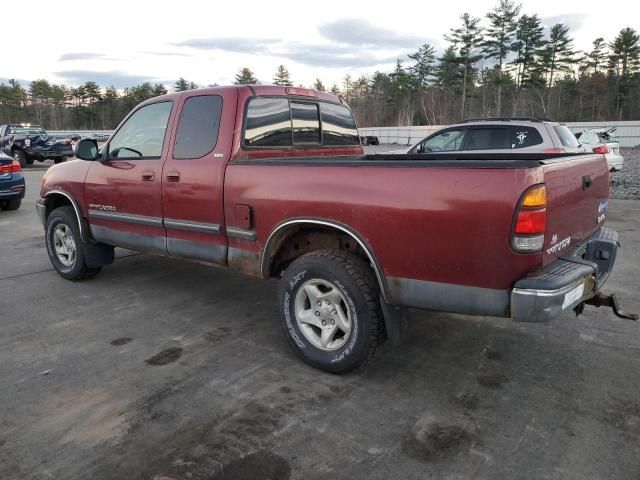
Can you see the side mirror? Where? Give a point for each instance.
(86, 149)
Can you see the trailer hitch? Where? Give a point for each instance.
(603, 300)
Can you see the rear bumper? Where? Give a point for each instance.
(615, 162)
(566, 282)
(14, 188)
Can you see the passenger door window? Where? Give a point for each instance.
(142, 135)
(488, 138)
(268, 123)
(523, 137)
(447, 141)
(197, 133)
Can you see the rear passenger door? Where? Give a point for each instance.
(193, 175)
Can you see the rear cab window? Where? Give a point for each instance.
(276, 122)
(566, 136)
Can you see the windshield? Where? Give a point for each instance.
(20, 130)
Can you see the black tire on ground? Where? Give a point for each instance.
(59, 160)
(355, 281)
(21, 158)
(77, 270)
(13, 204)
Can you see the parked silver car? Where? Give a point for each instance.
(602, 140)
(500, 134)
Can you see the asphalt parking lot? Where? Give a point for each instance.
(163, 369)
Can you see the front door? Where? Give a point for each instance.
(193, 176)
(123, 190)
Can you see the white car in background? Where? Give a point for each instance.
(496, 135)
(602, 140)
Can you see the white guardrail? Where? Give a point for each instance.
(627, 133)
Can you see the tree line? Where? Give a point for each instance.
(505, 64)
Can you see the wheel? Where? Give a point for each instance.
(330, 310)
(13, 204)
(21, 158)
(65, 247)
(59, 160)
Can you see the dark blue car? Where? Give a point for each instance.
(11, 183)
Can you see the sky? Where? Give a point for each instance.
(123, 43)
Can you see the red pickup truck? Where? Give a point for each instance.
(273, 181)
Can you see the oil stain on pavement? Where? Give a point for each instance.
(258, 465)
(165, 357)
(121, 341)
(430, 441)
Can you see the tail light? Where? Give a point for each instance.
(530, 221)
(12, 167)
(601, 149)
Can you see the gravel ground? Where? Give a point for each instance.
(625, 185)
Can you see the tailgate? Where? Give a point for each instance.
(577, 193)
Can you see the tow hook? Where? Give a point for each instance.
(603, 300)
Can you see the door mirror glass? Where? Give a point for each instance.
(86, 149)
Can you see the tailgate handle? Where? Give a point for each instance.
(586, 182)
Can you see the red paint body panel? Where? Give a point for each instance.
(573, 210)
(436, 224)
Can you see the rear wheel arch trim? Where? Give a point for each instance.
(83, 233)
(281, 228)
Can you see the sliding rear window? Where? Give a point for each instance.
(280, 122)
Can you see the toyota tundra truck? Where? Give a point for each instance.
(273, 181)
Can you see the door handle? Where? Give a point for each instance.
(173, 176)
(148, 176)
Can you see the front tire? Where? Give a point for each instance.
(330, 310)
(65, 247)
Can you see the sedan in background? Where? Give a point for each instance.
(12, 185)
(602, 140)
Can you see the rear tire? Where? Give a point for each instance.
(59, 160)
(330, 310)
(65, 247)
(13, 204)
(21, 158)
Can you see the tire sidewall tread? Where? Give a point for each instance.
(357, 284)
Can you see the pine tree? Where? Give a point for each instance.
(423, 70)
(557, 56)
(182, 85)
(466, 39)
(623, 62)
(528, 44)
(318, 85)
(335, 90)
(448, 71)
(499, 39)
(282, 77)
(245, 77)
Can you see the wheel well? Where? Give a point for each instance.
(297, 240)
(54, 201)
